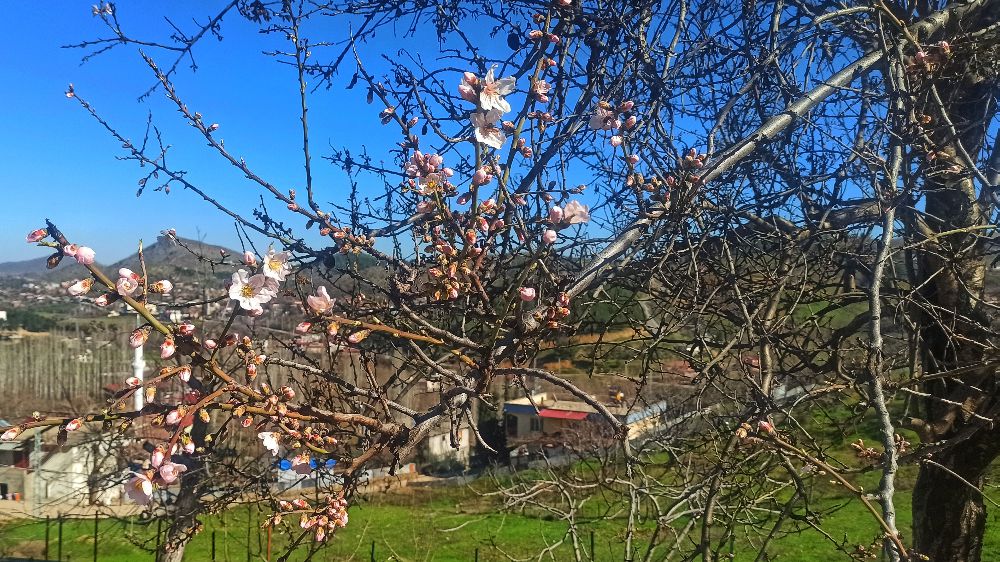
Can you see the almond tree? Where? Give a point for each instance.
(796, 198)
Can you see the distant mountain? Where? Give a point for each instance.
(182, 259)
(165, 259)
(34, 268)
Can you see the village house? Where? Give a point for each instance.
(37, 469)
(542, 418)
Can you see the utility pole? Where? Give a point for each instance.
(36, 475)
(138, 369)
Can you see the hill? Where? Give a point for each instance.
(29, 268)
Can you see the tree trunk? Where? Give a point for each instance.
(184, 522)
(949, 517)
(952, 516)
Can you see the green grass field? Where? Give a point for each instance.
(452, 523)
(431, 527)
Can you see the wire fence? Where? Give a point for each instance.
(223, 544)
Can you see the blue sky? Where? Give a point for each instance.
(58, 163)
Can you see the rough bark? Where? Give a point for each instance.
(184, 521)
(949, 516)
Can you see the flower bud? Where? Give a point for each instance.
(550, 236)
(210, 344)
(85, 255)
(138, 337)
(167, 349)
(527, 294)
(467, 93)
(36, 235)
(162, 287)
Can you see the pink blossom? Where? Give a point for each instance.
(184, 373)
(494, 90)
(321, 301)
(167, 349)
(173, 417)
(138, 337)
(576, 213)
(252, 291)
(210, 344)
(10, 434)
(300, 464)
(85, 255)
(630, 123)
(139, 489)
(555, 215)
(484, 125)
(162, 287)
(185, 329)
(470, 78)
(527, 294)
(103, 300)
(535, 34)
(157, 457)
(189, 447)
(616, 141)
(633, 159)
(36, 235)
(303, 327)
(467, 93)
(74, 424)
(358, 337)
(249, 259)
(133, 382)
(270, 440)
(171, 471)
(276, 265)
(320, 534)
(71, 250)
(481, 177)
(604, 119)
(126, 286)
(550, 236)
(563, 300)
(80, 287)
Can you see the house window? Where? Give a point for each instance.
(511, 425)
(536, 424)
